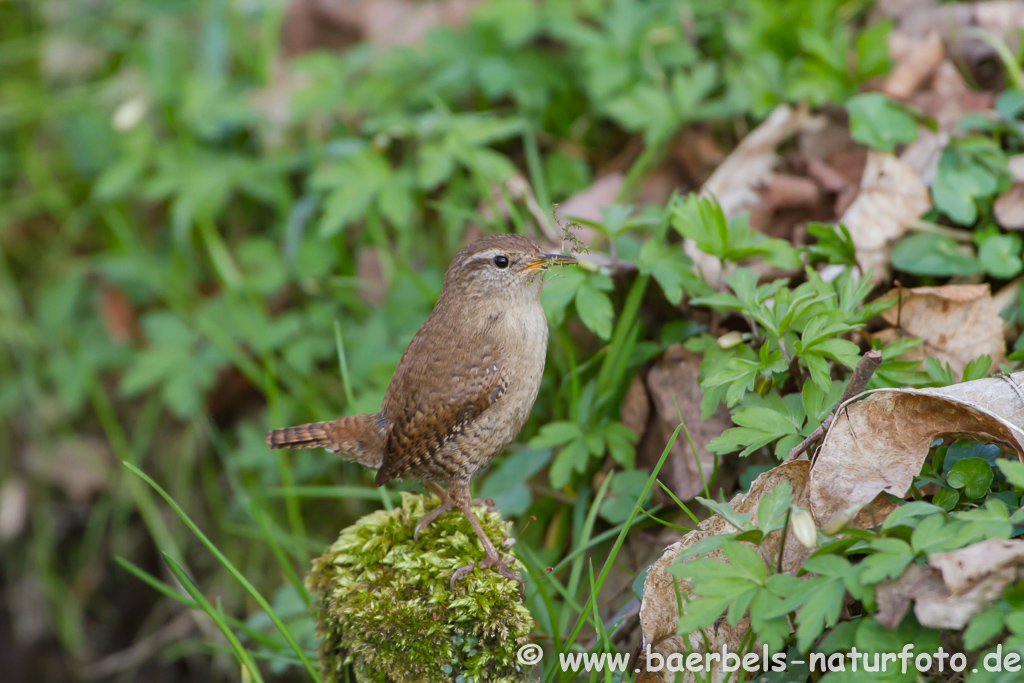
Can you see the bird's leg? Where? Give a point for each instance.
(445, 506)
(459, 494)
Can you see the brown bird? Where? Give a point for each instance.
(464, 387)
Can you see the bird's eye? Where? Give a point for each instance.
(501, 261)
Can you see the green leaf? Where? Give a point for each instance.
(573, 457)
(878, 122)
(962, 179)
(758, 426)
(820, 611)
(701, 613)
(892, 556)
(556, 434)
(973, 475)
(947, 499)
(929, 254)
(1000, 256)
(834, 244)
(908, 514)
(977, 368)
(771, 511)
(746, 559)
(669, 266)
(595, 310)
(739, 520)
(1013, 470)
(986, 625)
(702, 220)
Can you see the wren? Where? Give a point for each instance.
(463, 388)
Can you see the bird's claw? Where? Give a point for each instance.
(487, 563)
(444, 507)
(483, 503)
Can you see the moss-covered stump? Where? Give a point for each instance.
(385, 608)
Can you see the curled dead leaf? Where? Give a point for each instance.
(878, 444)
(659, 609)
(957, 323)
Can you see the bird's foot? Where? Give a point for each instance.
(487, 563)
(446, 505)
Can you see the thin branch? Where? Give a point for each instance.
(858, 381)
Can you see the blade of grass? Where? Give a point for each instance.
(667, 523)
(241, 654)
(693, 448)
(584, 536)
(622, 534)
(118, 440)
(162, 588)
(346, 381)
(275, 547)
(534, 573)
(260, 600)
(679, 503)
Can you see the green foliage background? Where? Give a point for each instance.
(201, 237)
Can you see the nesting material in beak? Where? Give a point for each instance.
(545, 260)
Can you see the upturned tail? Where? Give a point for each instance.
(356, 437)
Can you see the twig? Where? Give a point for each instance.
(858, 381)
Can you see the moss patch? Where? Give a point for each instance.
(384, 606)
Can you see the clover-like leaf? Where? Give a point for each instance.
(972, 475)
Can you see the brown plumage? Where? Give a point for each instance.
(463, 388)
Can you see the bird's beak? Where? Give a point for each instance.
(545, 260)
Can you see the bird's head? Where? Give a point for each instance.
(500, 267)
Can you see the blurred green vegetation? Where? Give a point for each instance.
(202, 236)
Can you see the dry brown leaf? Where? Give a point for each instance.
(636, 407)
(659, 611)
(736, 181)
(957, 585)
(916, 60)
(957, 324)
(963, 568)
(673, 388)
(1009, 208)
(891, 197)
(878, 444)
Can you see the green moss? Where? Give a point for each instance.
(385, 608)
